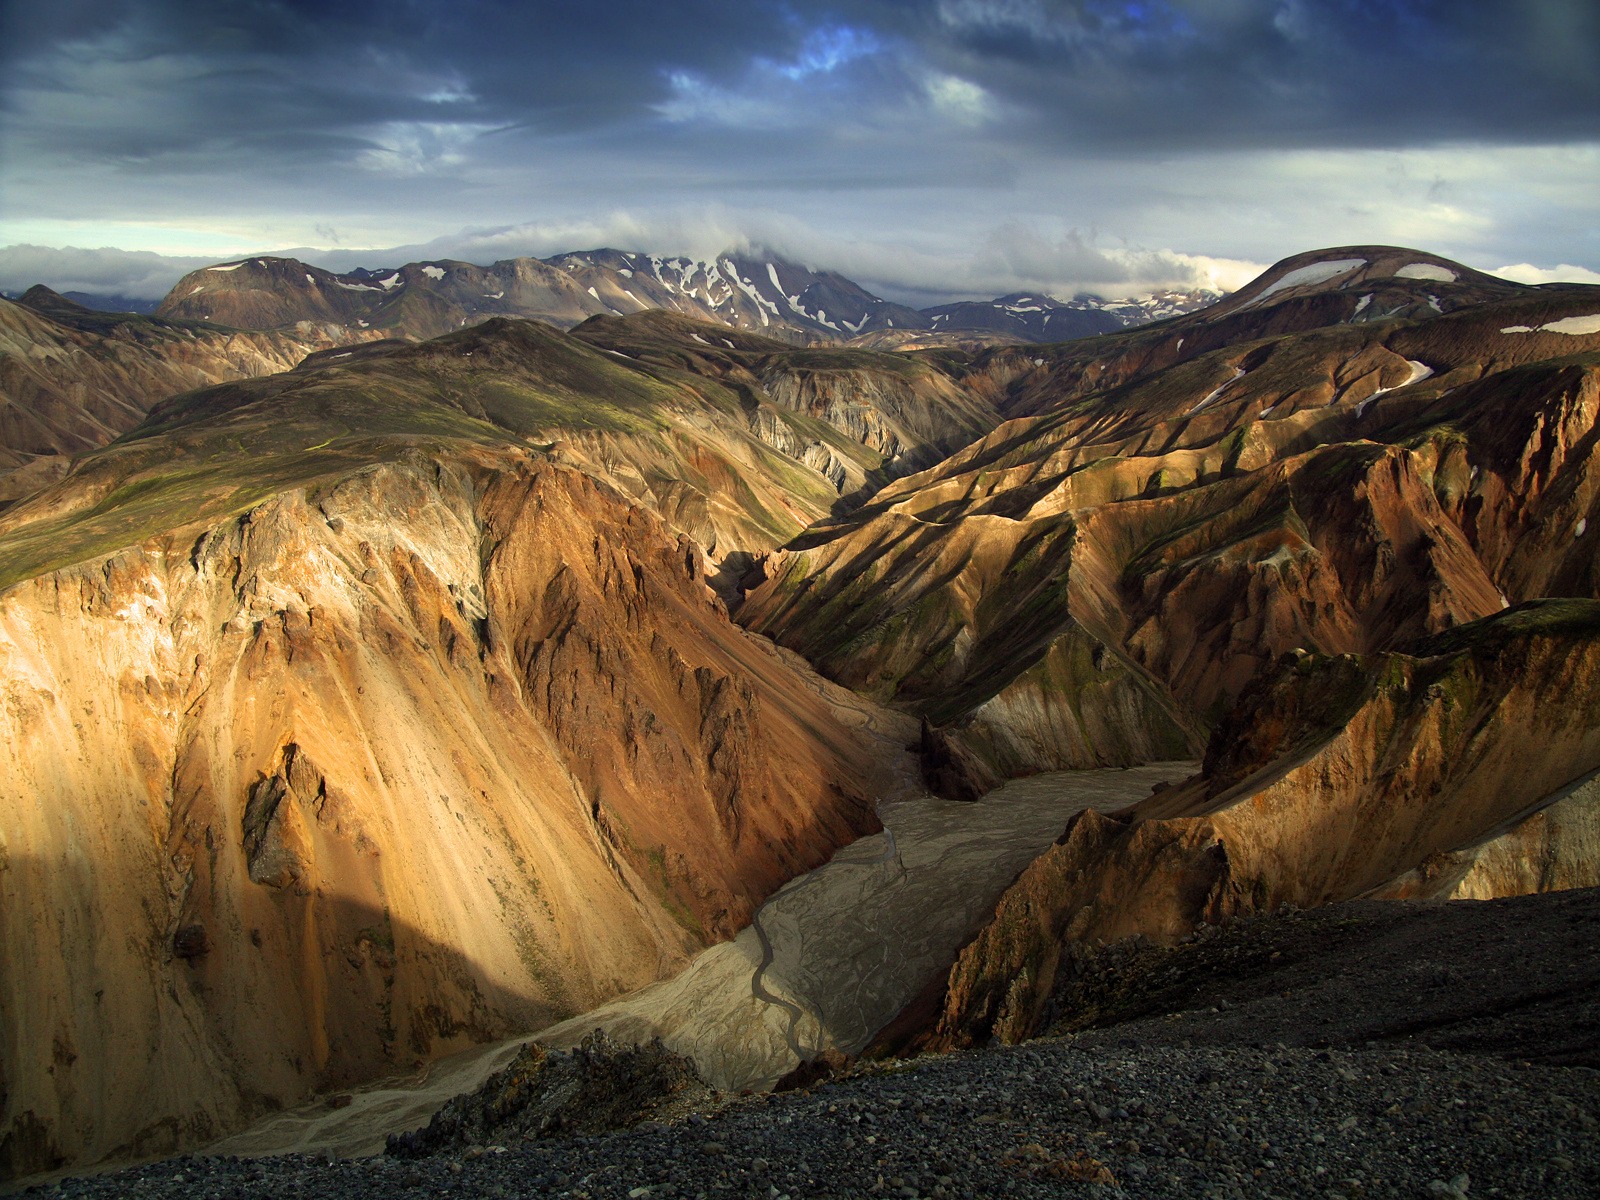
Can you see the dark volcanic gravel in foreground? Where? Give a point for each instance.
(1051, 1118)
(1177, 1097)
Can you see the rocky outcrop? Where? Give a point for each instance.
(597, 1087)
(1337, 777)
(441, 748)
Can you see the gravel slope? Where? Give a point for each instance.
(1206, 1103)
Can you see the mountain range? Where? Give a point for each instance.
(763, 294)
(385, 673)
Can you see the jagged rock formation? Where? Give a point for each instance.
(1334, 778)
(344, 733)
(72, 380)
(1178, 518)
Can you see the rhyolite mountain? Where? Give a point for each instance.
(1349, 558)
(384, 705)
(432, 690)
(1153, 542)
(762, 293)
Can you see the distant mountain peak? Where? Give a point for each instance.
(754, 289)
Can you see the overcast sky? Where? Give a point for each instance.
(923, 147)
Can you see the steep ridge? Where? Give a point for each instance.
(1343, 490)
(1334, 777)
(346, 730)
(72, 379)
(387, 704)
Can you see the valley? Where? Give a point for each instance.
(389, 674)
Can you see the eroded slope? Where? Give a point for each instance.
(349, 725)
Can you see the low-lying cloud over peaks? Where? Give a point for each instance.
(1011, 258)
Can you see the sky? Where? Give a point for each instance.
(926, 148)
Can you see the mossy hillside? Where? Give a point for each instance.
(210, 453)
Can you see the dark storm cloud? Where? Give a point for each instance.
(179, 85)
(221, 79)
(244, 124)
(1186, 74)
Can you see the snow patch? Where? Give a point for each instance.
(699, 339)
(593, 293)
(762, 303)
(311, 279)
(1179, 346)
(1238, 374)
(390, 282)
(1419, 372)
(625, 272)
(1313, 273)
(1433, 303)
(494, 295)
(1568, 325)
(229, 267)
(362, 323)
(433, 272)
(1575, 325)
(1580, 527)
(1361, 306)
(353, 287)
(1429, 271)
